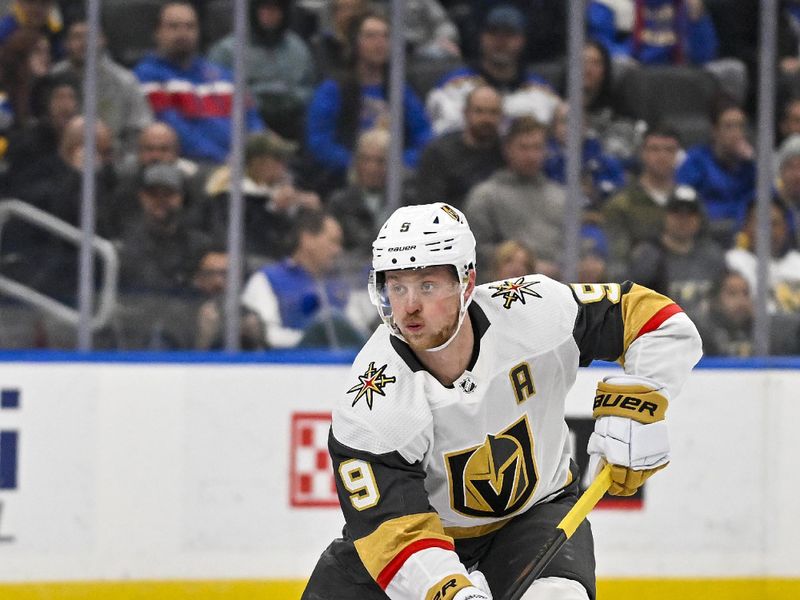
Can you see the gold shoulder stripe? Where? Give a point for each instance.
(638, 307)
(380, 548)
(447, 587)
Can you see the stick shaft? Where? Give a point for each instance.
(564, 531)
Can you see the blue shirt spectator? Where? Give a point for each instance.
(294, 296)
(299, 295)
(602, 173)
(323, 133)
(663, 32)
(186, 91)
(343, 108)
(606, 172)
(726, 190)
(723, 172)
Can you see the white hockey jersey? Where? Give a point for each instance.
(419, 464)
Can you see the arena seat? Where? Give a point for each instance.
(424, 74)
(554, 71)
(129, 27)
(217, 21)
(679, 96)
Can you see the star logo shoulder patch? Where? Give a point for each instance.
(513, 291)
(370, 383)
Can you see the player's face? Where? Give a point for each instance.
(425, 304)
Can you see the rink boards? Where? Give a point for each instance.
(121, 478)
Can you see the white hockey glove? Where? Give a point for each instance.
(630, 432)
(479, 590)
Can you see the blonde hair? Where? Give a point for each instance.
(504, 253)
(377, 137)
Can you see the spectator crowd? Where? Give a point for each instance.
(668, 170)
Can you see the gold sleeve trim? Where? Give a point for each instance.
(448, 587)
(639, 305)
(381, 546)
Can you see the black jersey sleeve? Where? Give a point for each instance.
(612, 315)
(386, 508)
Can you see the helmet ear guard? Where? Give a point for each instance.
(380, 301)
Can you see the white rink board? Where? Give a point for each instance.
(181, 471)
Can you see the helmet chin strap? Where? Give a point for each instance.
(461, 314)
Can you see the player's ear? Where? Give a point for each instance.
(470, 284)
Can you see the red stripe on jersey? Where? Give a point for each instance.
(657, 319)
(192, 105)
(391, 569)
(159, 100)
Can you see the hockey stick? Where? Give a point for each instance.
(564, 531)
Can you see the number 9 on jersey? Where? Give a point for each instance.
(357, 477)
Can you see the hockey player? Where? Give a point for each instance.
(449, 446)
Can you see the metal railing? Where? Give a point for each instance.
(107, 298)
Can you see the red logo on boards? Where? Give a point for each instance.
(311, 481)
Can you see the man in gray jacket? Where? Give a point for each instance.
(518, 202)
(121, 104)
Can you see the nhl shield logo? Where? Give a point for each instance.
(496, 478)
(467, 384)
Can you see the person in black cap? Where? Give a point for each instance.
(501, 64)
(684, 260)
(159, 250)
(159, 253)
(546, 33)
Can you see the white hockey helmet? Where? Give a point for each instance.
(415, 237)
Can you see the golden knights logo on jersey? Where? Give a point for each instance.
(513, 291)
(496, 478)
(371, 382)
